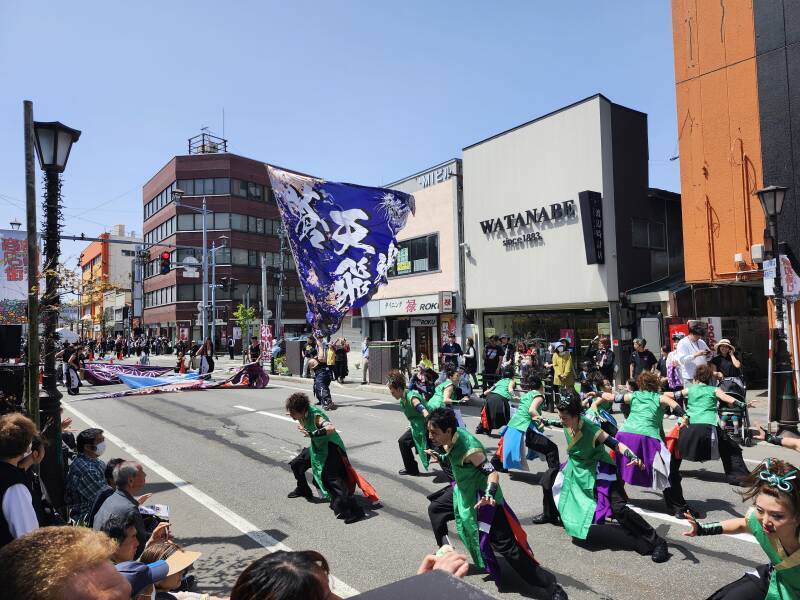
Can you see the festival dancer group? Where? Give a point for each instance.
(584, 492)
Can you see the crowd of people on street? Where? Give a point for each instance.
(113, 538)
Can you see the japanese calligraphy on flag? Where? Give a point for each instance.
(343, 238)
(13, 276)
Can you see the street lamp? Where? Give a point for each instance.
(785, 396)
(53, 142)
(15, 224)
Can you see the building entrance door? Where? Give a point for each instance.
(423, 343)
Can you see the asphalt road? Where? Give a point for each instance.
(219, 459)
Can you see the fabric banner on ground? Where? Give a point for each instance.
(140, 381)
(98, 373)
(343, 238)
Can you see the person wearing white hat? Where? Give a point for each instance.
(726, 364)
(178, 561)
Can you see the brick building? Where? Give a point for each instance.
(245, 220)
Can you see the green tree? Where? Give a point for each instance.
(245, 316)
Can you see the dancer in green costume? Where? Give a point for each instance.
(774, 520)
(446, 392)
(327, 458)
(484, 520)
(587, 491)
(497, 409)
(413, 405)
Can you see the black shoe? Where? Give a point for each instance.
(660, 553)
(558, 593)
(406, 472)
(543, 519)
(681, 513)
(480, 429)
(354, 518)
(331, 406)
(297, 493)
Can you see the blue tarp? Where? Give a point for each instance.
(136, 381)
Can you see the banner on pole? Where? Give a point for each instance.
(343, 239)
(13, 277)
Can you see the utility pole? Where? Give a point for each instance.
(264, 289)
(213, 295)
(32, 356)
(279, 298)
(204, 312)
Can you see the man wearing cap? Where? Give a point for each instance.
(691, 352)
(726, 365)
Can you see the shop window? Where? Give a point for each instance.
(417, 255)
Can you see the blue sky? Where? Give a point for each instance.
(366, 91)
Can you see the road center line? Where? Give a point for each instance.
(269, 414)
(262, 538)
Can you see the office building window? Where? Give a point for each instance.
(417, 255)
(166, 229)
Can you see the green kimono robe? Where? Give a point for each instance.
(576, 500)
(419, 431)
(319, 445)
(470, 481)
(437, 400)
(784, 584)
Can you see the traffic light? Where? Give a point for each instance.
(223, 282)
(165, 260)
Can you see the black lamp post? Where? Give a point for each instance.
(785, 394)
(53, 144)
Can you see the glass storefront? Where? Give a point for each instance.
(542, 327)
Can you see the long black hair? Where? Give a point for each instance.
(283, 576)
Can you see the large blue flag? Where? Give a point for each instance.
(343, 238)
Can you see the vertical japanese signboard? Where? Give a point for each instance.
(591, 204)
(13, 277)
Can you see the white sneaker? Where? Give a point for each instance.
(672, 417)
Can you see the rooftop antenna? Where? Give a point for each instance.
(223, 121)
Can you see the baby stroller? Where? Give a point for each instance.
(735, 421)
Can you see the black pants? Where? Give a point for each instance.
(230, 352)
(489, 379)
(748, 587)
(440, 512)
(673, 495)
(644, 536)
(406, 444)
(731, 455)
(322, 386)
(503, 542)
(545, 446)
(334, 477)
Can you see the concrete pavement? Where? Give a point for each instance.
(220, 462)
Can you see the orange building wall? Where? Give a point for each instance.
(718, 136)
(97, 274)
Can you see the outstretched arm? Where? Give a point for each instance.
(765, 436)
(738, 525)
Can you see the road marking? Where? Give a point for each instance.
(746, 537)
(269, 414)
(246, 527)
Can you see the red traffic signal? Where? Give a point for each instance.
(166, 258)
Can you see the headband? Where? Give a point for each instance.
(782, 482)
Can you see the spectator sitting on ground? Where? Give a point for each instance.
(289, 575)
(86, 476)
(61, 563)
(123, 531)
(179, 561)
(17, 516)
(101, 497)
(130, 478)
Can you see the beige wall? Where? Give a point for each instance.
(436, 211)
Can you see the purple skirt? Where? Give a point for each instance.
(654, 455)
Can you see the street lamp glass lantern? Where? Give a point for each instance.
(177, 194)
(53, 143)
(771, 199)
(15, 225)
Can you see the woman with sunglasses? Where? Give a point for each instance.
(774, 520)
